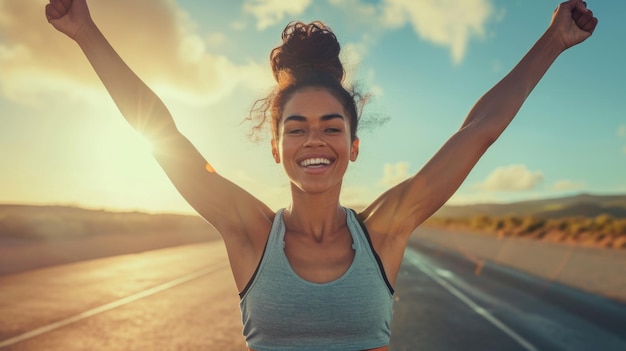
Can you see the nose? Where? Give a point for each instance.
(314, 139)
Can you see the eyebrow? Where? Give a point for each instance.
(299, 118)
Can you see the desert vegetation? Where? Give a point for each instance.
(599, 231)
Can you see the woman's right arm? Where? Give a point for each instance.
(219, 201)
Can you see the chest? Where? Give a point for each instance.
(317, 295)
(319, 261)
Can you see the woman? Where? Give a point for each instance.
(315, 275)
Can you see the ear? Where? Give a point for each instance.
(275, 151)
(354, 150)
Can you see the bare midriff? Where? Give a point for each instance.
(384, 348)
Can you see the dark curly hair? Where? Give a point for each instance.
(308, 57)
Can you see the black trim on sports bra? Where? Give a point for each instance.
(245, 289)
(369, 241)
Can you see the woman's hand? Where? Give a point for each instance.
(573, 22)
(68, 16)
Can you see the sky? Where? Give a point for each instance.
(425, 63)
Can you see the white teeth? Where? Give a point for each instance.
(314, 162)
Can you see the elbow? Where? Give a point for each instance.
(484, 134)
(489, 138)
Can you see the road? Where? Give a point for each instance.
(446, 302)
(184, 298)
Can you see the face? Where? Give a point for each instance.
(313, 141)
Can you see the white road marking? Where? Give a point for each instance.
(444, 273)
(413, 257)
(109, 306)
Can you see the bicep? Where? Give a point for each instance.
(405, 206)
(444, 173)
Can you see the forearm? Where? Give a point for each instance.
(497, 108)
(141, 107)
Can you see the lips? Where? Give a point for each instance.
(315, 162)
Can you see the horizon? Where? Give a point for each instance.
(193, 213)
(65, 143)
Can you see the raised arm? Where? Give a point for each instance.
(219, 201)
(401, 209)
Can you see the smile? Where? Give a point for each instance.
(315, 162)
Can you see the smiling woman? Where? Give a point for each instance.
(308, 123)
(316, 275)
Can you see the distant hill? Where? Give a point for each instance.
(32, 222)
(584, 205)
(55, 222)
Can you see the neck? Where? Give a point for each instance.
(315, 215)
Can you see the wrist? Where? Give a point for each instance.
(552, 42)
(85, 32)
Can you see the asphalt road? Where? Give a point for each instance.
(184, 298)
(446, 302)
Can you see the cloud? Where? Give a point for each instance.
(271, 12)
(352, 53)
(363, 12)
(155, 38)
(351, 56)
(216, 39)
(621, 130)
(450, 24)
(566, 184)
(460, 198)
(395, 173)
(357, 196)
(511, 178)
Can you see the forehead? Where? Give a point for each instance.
(312, 102)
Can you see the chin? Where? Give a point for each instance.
(315, 188)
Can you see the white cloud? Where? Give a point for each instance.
(351, 56)
(511, 178)
(395, 173)
(472, 198)
(271, 12)
(352, 53)
(356, 196)
(566, 184)
(155, 37)
(450, 24)
(358, 10)
(216, 39)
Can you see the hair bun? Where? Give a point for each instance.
(306, 49)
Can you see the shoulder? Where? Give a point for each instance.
(391, 214)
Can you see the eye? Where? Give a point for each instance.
(332, 130)
(295, 131)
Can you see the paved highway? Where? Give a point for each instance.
(446, 302)
(184, 298)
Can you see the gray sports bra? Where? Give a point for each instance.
(281, 311)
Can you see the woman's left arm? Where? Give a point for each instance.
(401, 209)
